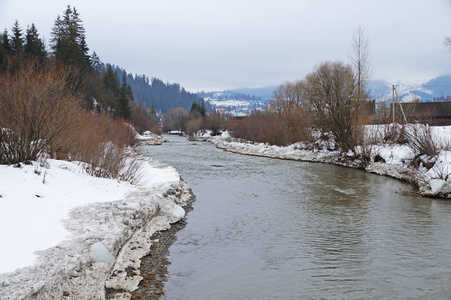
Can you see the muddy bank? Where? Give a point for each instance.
(154, 265)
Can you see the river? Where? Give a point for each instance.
(273, 229)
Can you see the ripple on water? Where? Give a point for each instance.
(266, 228)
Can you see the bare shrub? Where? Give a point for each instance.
(368, 144)
(421, 141)
(131, 171)
(273, 128)
(193, 126)
(36, 108)
(99, 141)
(440, 170)
(143, 119)
(215, 121)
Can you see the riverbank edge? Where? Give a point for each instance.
(67, 270)
(397, 171)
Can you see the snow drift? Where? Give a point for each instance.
(67, 235)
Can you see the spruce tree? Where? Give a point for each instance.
(110, 79)
(5, 48)
(17, 41)
(193, 107)
(69, 41)
(128, 88)
(203, 109)
(124, 105)
(96, 63)
(33, 44)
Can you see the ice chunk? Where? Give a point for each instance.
(172, 210)
(436, 185)
(99, 253)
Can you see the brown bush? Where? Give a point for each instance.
(421, 141)
(36, 108)
(40, 112)
(99, 141)
(193, 126)
(273, 128)
(142, 119)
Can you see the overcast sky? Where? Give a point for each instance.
(212, 44)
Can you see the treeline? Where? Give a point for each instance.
(153, 92)
(228, 95)
(61, 102)
(196, 120)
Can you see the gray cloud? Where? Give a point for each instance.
(207, 44)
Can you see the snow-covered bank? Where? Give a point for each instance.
(396, 159)
(52, 213)
(148, 138)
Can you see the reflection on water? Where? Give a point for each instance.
(265, 228)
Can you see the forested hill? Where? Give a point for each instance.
(163, 96)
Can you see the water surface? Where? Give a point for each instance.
(265, 228)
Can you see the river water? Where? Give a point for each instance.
(272, 229)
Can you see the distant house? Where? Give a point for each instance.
(432, 113)
(367, 111)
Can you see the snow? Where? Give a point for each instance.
(147, 138)
(397, 158)
(43, 200)
(55, 219)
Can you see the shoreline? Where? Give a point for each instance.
(396, 171)
(126, 228)
(154, 265)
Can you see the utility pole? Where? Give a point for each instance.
(393, 91)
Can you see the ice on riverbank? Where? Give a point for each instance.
(148, 138)
(395, 160)
(52, 215)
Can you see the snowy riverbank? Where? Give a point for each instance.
(68, 235)
(395, 160)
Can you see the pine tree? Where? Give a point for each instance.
(124, 105)
(194, 107)
(17, 41)
(110, 79)
(96, 63)
(69, 41)
(6, 45)
(33, 44)
(203, 109)
(5, 48)
(128, 88)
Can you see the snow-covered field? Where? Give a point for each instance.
(59, 227)
(396, 161)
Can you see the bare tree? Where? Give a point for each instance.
(175, 119)
(359, 56)
(286, 95)
(330, 91)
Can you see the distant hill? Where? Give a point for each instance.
(237, 102)
(163, 96)
(433, 90)
(263, 92)
(242, 101)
